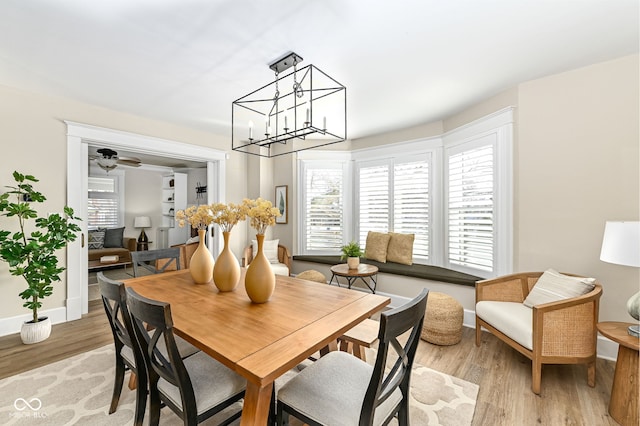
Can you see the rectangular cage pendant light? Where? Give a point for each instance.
(304, 109)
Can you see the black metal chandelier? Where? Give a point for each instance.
(312, 112)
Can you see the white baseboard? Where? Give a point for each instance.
(12, 325)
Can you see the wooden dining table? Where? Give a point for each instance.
(258, 341)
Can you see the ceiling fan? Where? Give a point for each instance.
(109, 160)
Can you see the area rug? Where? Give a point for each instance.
(77, 390)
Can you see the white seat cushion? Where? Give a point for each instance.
(212, 382)
(511, 318)
(280, 269)
(331, 391)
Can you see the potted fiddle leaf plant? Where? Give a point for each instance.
(352, 252)
(31, 254)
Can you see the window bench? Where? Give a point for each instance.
(416, 270)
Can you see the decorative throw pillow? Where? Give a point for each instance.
(113, 237)
(96, 239)
(553, 286)
(376, 247)
(400, 249)
(269, 248)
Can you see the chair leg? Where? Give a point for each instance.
(282, 418)
(536, 376)
(358, 351)
(478, 333)
(154, 405)
(403, 413)
(344, 346)
(591, 374)
(141, 399)
(117, 385)
(132, 381)
(332, 346)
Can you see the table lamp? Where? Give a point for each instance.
(621, 246)
(142, 222)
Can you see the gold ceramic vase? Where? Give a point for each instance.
(226, 271)
(201, 264)
(259, 280)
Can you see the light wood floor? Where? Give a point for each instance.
(504, 376)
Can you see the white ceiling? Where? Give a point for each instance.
(403, 62)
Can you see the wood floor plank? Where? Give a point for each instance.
(504, 376)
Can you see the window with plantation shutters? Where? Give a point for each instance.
(454, 192)
(104, 202)
(470, 207)
(323, 210)
(393, 196)
(411, 209)
(373, 186)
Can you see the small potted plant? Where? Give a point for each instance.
(352, 253)
(32, 255)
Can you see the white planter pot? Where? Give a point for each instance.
(35, 332)
(353, 262)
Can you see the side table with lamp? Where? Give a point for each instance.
(142, 222)
(621, 246)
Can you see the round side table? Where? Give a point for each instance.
(623, 405)
(364, 271)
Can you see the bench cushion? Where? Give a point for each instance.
(427, 272)
(511, 318)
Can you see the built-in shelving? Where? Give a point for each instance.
(174, 198)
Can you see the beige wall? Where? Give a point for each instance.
(142, 196)
(577, 165)
(34, 141)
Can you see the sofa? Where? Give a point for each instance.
(110, 242)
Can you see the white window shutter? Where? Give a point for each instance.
(323, 210)
(471, 208)
(373, 186)
(103, 203)
(411, 210)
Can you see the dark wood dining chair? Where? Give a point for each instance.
(340, 389)
(128, 352)
(195, 388)
(156, 261)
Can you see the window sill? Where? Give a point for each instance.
(416, 270)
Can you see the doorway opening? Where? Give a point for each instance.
(82, 138)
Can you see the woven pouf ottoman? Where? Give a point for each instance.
(443, 320)
(312, 275)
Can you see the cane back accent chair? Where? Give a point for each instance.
(562, 332)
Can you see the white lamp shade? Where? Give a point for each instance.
(142, 222)
(621, 243)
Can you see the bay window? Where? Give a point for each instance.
(454, 193)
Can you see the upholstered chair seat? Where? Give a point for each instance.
(342, 380)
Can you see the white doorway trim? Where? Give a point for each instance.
(79, 137)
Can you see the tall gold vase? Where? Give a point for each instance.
(226, 271)
(201, 264)
(259, 280)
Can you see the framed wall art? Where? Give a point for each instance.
(282, 203)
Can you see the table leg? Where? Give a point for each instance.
(337, 280)
(257, 402)
(371, 279)
(623, 405)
